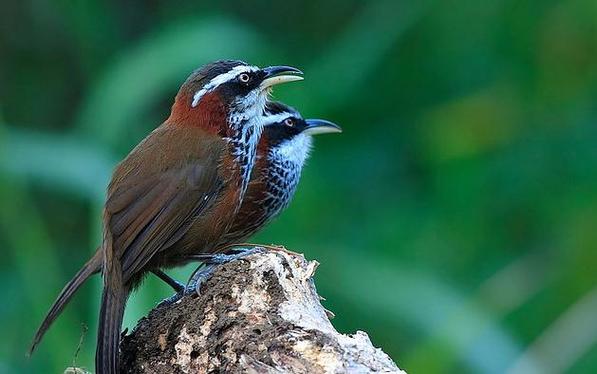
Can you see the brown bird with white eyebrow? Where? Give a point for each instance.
(283, 148)
(178, 191)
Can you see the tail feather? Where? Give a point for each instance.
(110, 321)
(91, 267)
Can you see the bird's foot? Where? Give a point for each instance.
(199, 276)
(206, 270)
(278, 248)
(173, 299)
(176, 285)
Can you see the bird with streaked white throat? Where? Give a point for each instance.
(178, 191)
(281, 154)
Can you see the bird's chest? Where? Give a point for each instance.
(282, 180)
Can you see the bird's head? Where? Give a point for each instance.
(228, 89)
(286, 134)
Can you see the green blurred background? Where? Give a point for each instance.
(454, 219)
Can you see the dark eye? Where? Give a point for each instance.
(244, 78)
(289, 122)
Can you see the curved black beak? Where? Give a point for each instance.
(320, 126)
(279, 74)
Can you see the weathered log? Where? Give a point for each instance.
(258, 314)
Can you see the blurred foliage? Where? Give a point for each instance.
(454, 218)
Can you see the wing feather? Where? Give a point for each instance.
(147, 215)
(172, 220)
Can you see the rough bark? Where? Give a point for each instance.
(258, 314)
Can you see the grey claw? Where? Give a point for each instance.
(202, 274)
(234, 254)
(198, 278)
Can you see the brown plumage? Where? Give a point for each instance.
(178, 191)
(272, 185)
(175, 181)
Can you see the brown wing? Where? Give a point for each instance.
(166, 182)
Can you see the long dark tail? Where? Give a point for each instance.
(110, 322)
(91, 267)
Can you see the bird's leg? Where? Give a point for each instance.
(273, 247)
(235, 254)
(205, 270)
(176, 285)
(229, 249)
(192, 258)
(172, 299)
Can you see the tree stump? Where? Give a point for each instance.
(257, 314)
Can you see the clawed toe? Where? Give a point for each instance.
(199, 276)
(206, 270)
(233, 254)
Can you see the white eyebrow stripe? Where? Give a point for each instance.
(271, 119)
(220, 79)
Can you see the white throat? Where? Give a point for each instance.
(295, 150)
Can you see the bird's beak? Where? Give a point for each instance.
(279, 74)
(320, 126)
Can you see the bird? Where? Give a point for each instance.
(284, 147)
(178, 191)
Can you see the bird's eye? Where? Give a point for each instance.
(244, 78)
(289, 122)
